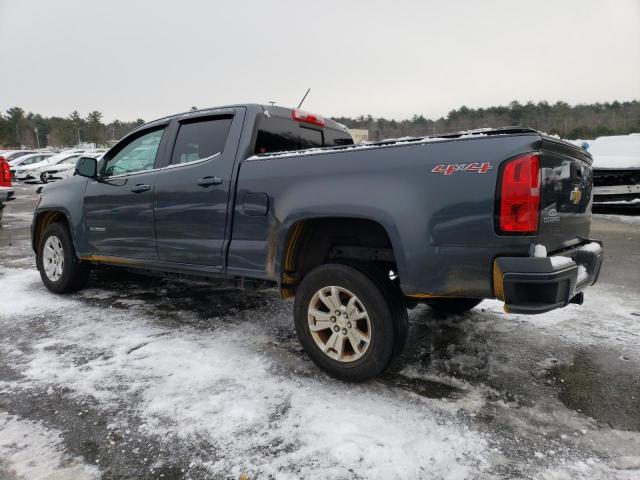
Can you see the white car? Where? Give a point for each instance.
(57, 163)
(26, 172)
(67, 168)
(11, 155)
(26, 162)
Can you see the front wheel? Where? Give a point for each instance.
(348, 323)
(60, 270)
(44, 177)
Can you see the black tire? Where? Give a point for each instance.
(75, 274)
(387, 318)
(44, 178)
(396, 300)
(455, 306)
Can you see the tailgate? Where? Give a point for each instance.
(565, 196)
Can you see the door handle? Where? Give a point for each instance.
(207, 181)
(140, 188)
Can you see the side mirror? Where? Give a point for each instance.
(87, 167)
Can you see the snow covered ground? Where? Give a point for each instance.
(149, 378)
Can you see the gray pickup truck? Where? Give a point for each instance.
(356, 233)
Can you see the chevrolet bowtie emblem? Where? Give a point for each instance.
(576, 196)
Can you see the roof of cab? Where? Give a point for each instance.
(271, 110)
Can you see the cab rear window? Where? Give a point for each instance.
(280, 135)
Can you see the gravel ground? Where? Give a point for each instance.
(137, 377)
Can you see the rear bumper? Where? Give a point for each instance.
(539, 284)
(7, 194)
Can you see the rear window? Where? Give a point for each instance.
(279, 135)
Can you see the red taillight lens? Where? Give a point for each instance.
(520, 195)
(5, 173)
(306, 117)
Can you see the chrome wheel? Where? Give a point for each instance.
(53, 258)
(339, 324)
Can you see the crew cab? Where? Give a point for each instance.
(356, 233)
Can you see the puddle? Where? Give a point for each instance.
(423, 387)
(603, 386)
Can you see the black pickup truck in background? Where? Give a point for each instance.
(356, 233)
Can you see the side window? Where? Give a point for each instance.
(31, 160)
(279, 135)
(71, 159)
(137, 156)
(200, 139)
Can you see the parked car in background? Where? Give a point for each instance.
(62, 168)
(616, 170)
(11, 155)
(27, 161)
(39, 172)
(57, 163)
(66, 170)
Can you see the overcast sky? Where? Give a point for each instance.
(145, 59)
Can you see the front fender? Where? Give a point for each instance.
(66, 197)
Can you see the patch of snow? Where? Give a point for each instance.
(539, 251)
(618, 151)
(30, 451)
(559, 261)
(591, 247)
(602, 311)
(585, 470)
(582, 274)
(262, 418)
(619, 218)
(18, 285)
(620, 202)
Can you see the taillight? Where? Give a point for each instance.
(5, 172)
(520, 195)
(306, 117)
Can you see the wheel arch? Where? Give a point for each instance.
(45, 218)
(378, 239)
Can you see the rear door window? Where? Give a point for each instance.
(199, 140)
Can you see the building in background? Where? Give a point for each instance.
(359, 135)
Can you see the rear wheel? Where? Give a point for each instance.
(44, 177)
(455, 306)
(60, 270)
(348, 323)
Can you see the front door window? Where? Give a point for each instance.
(137, 156)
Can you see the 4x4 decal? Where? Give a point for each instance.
(462, 167)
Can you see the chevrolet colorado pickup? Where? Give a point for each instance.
(356, 233)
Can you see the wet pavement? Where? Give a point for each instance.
(139, 377)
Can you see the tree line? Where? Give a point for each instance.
(33, 130)
(585, 121)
